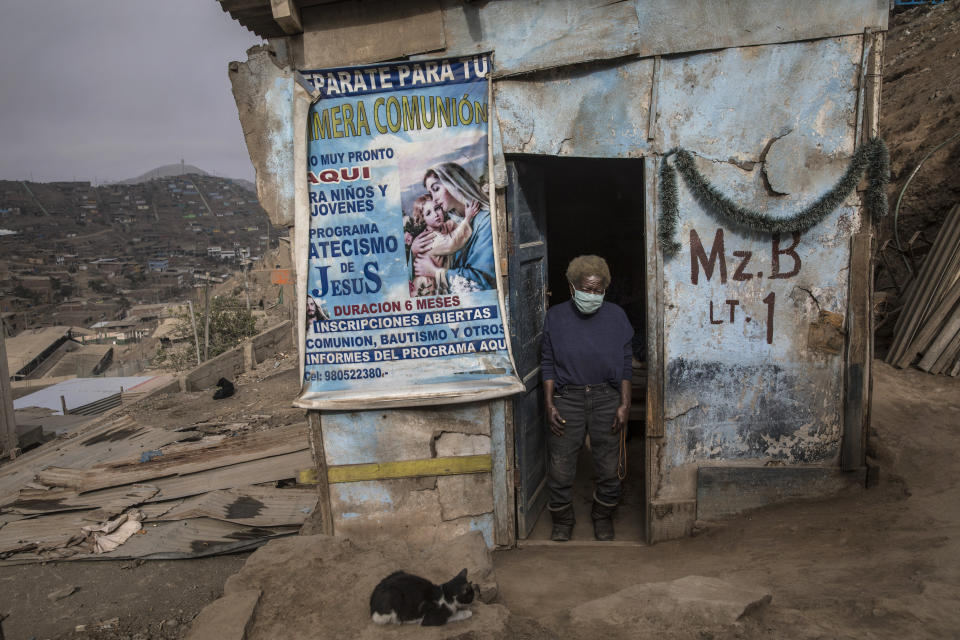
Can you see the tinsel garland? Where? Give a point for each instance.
(871, 157)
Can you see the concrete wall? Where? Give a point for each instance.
(271, 341)
(423, 509)
(230, 364)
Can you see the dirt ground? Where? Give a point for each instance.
(263, 399)
(884, 563)
(881, 564)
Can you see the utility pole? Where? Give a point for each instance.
(193, 323)
(246, 291)
(8, 424)
(206, 317)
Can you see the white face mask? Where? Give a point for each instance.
(587, 303)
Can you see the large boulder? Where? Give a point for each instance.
(316, 587)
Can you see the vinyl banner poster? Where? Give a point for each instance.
(402, 305)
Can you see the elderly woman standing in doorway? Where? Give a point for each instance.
(587, 370)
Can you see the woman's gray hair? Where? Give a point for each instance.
(585, 266)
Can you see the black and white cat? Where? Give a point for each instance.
(405, 598)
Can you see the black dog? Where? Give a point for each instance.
(224, 389)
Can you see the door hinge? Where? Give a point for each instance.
(516, 478)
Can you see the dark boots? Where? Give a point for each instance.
(602, 515)
(562, 523)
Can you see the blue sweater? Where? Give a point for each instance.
(579, 349)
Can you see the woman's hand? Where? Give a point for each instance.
(555, 420)
(422, 243)
(620, 418)
(423, 266)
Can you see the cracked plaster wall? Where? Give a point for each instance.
(771, 126)
(424, 509)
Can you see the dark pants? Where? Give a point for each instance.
(590, 409)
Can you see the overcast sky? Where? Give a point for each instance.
(108, 89)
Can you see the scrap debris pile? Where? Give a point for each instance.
(929, 326)
(121, 489)
(920, 121)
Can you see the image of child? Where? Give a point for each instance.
(440, 238)
(413, 224)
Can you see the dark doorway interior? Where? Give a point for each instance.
(596, 206)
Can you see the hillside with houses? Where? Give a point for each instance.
(76, 254)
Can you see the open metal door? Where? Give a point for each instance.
(526, 210)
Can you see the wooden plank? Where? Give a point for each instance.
(47, 538)
(903, 333)
(103, 439)
(859, 336)
(51, 532)
(874, 82)
(943, 343)
(281, 467)
(449, 466)
(654, 427)
(324, 517)
(256, 506)
(504, 510)
(931, 328)
(351, 33)
(654, 259)
(654, 94)
(185, 459)
(102, 504)
(287, 15)
(943, 254)
(8, 424)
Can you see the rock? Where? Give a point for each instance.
(317, 587)
(229, 618)
(692, 602)
(60, 594)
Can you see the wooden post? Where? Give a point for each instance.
(655, 427)
(322, 518)
(859, 338)
(859, 355)
(206, 318)
(246, 290)
(193, 323)
(8, 424)
(504, 503)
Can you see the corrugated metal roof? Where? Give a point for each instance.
(257, 15)
(23, 348)
(78, 392)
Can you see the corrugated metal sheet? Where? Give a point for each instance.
(78, 392)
